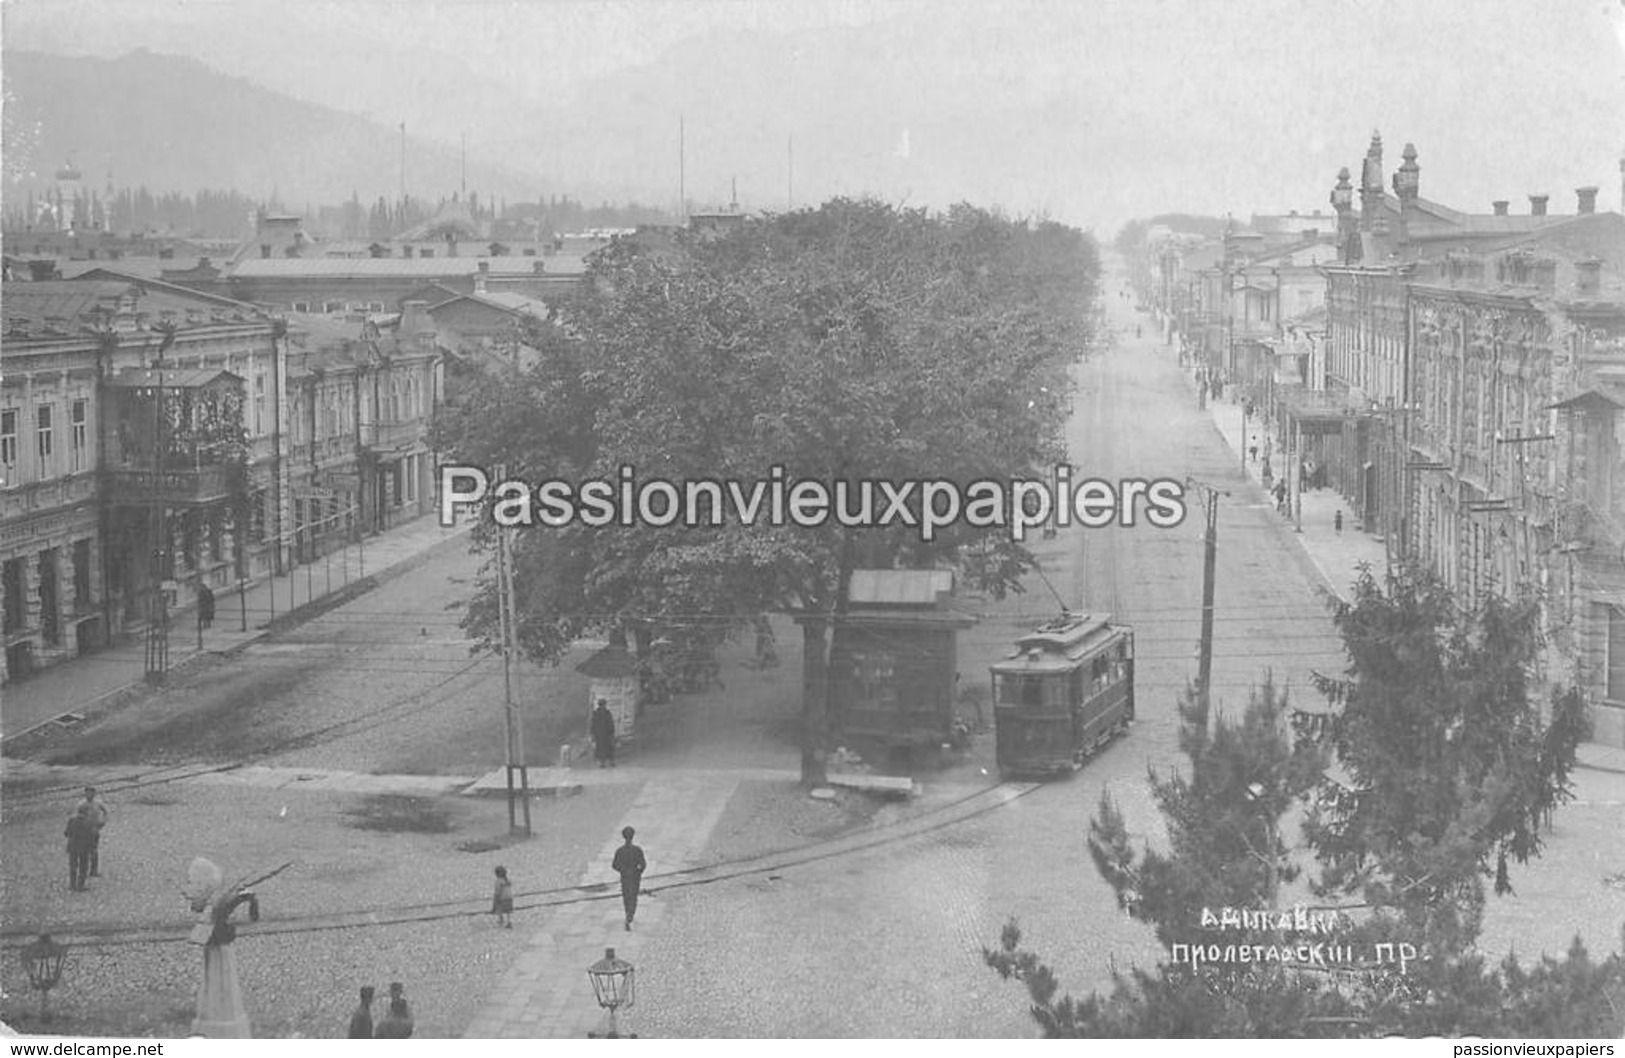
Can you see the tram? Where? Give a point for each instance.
(1066, 691)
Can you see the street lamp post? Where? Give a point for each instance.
(43, 960)
(612, 984)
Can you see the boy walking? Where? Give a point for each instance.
(630, 865)
(502, 899)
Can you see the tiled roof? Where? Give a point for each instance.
(69, 303)
(411, 267)
(499, 299)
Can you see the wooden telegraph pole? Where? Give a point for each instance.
(514, 720)
(1210, 556)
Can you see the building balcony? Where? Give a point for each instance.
(389, 436)
(1578, 525)
(186, 486)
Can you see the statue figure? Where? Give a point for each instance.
(220, 1010)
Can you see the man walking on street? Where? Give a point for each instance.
(97, 811)
(205, 606)
(80, 835)
(630, 865)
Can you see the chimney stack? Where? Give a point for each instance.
(412, 313)
(1500, 206)
(1589, 272)
(1587, 197)
(1537, 205)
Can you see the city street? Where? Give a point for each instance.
(888, 942)
(880, 937)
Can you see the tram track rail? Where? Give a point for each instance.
(977, 804)
(359, 723)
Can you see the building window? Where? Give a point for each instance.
(16, 605)
(81, 574)
(44, 437)
(8, 438)
(410, 485)
(259, 404)
(301, 306)
(78, 416)
(1616, 655)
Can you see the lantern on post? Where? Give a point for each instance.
(612, 984)
(43, 960)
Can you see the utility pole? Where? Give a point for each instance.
(1210, 556)
(514, 722)
(157, 653)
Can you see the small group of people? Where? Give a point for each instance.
(84, 834)
(396, 1024)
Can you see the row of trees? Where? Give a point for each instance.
(852, 342)
(1427, 772)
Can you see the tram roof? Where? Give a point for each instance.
(1058, 645)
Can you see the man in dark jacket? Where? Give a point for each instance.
(81, 835)
(96, 810)
(205, 606)
(603, 734)
(361, 1020)
(630, 865)
(396, 1024)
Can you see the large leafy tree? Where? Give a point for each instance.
(853, 342)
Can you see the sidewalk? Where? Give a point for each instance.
(546, 993)
(95, 682)
(1335, 555)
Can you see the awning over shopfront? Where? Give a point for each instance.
(1591, 401)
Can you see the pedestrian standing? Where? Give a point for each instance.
(1252, 448)
(502, 899)
(1337, 521)
(396, 1024)
(205, 606)
(97, 810)
(81, 836)
(361, 1020)
(630, 865)
(603, 734)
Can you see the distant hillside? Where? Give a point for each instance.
(173, 124)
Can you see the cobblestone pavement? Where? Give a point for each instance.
(89, 684)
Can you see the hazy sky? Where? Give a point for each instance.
(1090, 110)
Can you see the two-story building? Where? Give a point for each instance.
(133, 440)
